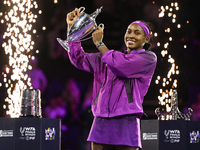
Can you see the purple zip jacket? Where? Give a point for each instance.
(120, 80)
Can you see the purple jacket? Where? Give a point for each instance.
(120, 80)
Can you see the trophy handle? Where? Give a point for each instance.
(81, 10)
(100, 25)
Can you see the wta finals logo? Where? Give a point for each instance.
(194, 137)
(172, 136)
(50, 134)
(27, 133)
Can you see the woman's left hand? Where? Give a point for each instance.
(72, 17)
(97, 35)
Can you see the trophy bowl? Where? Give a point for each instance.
(82, 27)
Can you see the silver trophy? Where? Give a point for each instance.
(174, 112)
(31, 103)
(83, 26)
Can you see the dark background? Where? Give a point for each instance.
(116, 16)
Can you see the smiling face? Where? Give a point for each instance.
(135, 37)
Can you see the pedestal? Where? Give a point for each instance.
(29, 133)
(170, 135)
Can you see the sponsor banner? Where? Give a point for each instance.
(6, 133)
(150, 136)
(27, 133)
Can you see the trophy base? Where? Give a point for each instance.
(63, 43)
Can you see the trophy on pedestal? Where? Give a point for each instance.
(174, 113)
(31, 103)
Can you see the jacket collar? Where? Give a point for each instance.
(135, 52)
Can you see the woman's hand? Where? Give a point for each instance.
(72, 17)
(97, 35)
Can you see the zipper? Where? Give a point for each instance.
(110, 96)
(95, 101)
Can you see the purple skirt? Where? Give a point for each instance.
(121, 130)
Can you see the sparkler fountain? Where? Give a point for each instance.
(169, 97)
(18, 46)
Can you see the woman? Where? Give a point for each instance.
(121, 81)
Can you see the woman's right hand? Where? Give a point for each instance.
(72, 17)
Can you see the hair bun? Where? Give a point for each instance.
(147, 46)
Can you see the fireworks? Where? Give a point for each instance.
(18, 45)
(168, 82)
